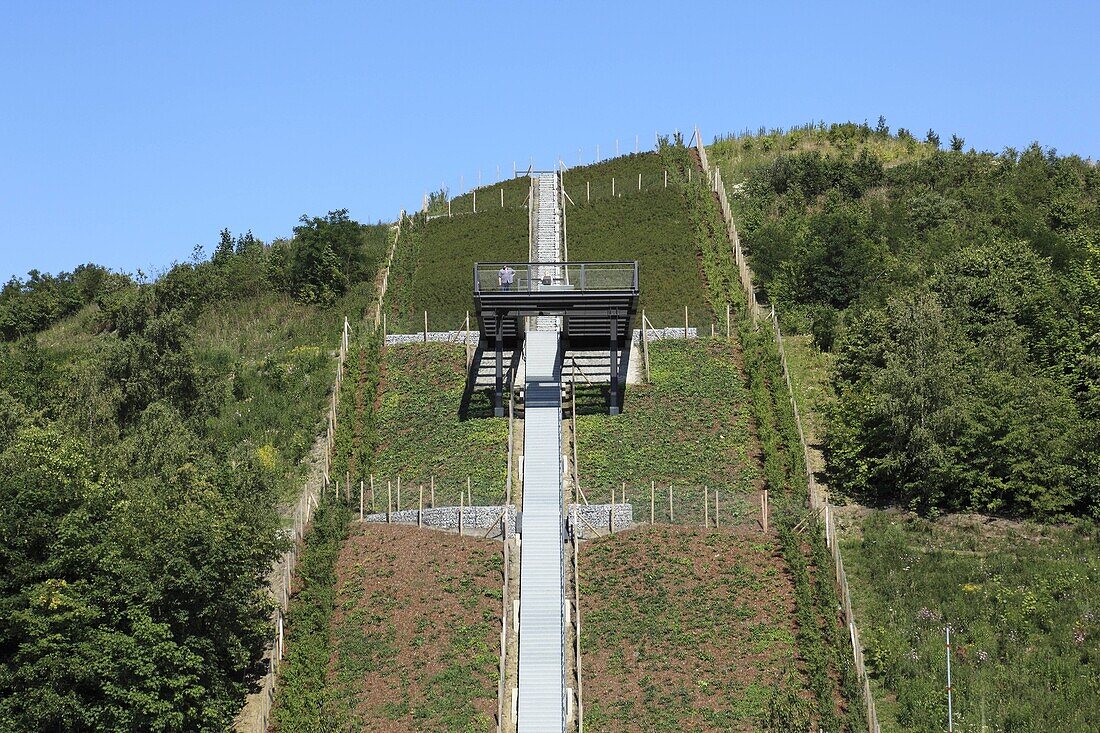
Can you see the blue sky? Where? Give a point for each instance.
(129, 133)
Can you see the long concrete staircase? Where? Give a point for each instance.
(546, 244)
(542, 692)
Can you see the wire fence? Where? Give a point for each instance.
(818, 495)
(692, 505)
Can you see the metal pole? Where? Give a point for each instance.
(950, 723)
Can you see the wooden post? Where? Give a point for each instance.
(389, 500)
(420, 510)
(639, 181)
(666, 177)
(448, 208)
(612, 186)
(502, 198)
(764, 510)
(671, 518)
(383, 328)
(611, 513)
(588, 191)
(712, 329)
(425, 326)
(475, 200)
(706, 508)
(652, 490)
(685, 321)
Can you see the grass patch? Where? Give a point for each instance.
(739, 154)
(690, 428)
(424, 432)
(434, 263)
(302, 699)
(809, 369)
(686, 629)
(1022, 602)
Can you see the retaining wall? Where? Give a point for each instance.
(475, 519)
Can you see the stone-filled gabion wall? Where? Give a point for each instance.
(475, 519)
(593, 519)
(455, 337)
(458, 337)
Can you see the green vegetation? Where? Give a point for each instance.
(146, 441)
(957, 293)
(1021, 601)
(740, 155)
(415, 633)
(687, 629)
(650, 226)
(433, 265)
(426, 430)
(304, 701)
(689, 428)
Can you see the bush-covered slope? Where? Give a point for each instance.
(146, 443)
(957, 292)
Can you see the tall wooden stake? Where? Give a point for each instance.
(685, 321)
(652, 490)
(425, 326)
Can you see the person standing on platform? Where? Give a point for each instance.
(505, 278)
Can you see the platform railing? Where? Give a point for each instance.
(550, 276)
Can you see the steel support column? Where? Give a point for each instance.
(498, 396)
(614, 362)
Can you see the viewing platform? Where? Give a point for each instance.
(596, 303)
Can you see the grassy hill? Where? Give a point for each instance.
(433, 264)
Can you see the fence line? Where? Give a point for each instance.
(385, 281)
(283, 569)
(819, 497)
